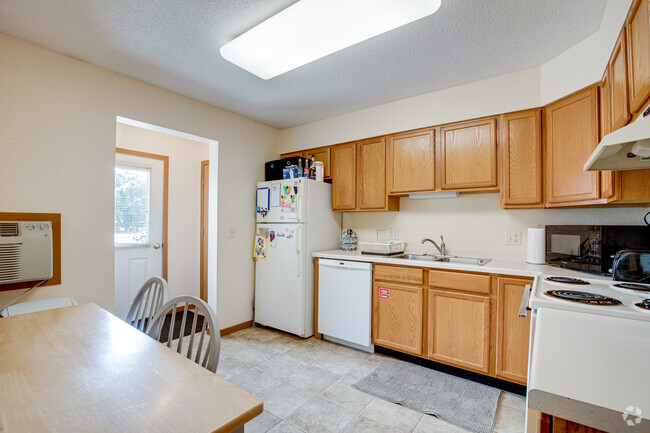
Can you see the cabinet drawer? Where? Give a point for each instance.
(458, 281)
(400, 275)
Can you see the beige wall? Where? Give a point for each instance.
(57, 141)
(475, 222)
(184, 210)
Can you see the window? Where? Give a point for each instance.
(132, 205)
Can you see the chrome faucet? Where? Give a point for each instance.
(442, 248)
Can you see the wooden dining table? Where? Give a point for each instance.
(81, 369)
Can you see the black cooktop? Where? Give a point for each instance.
(582, 297)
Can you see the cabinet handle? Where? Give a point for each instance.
(523, 307)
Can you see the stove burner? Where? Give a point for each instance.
(566, 280)
(634, 286)
(582, 297)
(645, 304)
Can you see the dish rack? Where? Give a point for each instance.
(382, 248)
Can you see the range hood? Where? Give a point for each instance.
(627, 148)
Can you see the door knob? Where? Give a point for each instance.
(156, 246)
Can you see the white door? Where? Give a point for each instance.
(279, 280)
(139, 189)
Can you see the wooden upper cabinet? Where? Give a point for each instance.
(344, 176)
(607, 178)
(512, 331)
(410, 162)
(321, 154)
(371, 173)
(468, 155)
(571, 135)
(638, 53)
(619, 104)
(521, 141)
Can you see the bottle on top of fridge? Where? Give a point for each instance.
(306, 168)
(312, 168)
(300, 171)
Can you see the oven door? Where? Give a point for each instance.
(574, 247)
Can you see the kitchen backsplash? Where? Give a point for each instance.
(475, 222)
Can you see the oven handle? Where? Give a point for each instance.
(523, 307)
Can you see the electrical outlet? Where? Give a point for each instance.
(393, 234)
(231, 233)
(513, 238)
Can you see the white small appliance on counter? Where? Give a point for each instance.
(295, 217)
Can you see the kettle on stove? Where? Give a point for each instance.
(632, 266)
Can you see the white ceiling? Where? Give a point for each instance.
(175, 45)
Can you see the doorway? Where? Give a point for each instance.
(140, 232)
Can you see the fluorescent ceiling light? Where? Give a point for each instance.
(311, 29)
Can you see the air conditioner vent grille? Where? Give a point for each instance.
(8, 229)
(10, 261)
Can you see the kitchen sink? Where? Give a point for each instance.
(462, 260)
(445, 259)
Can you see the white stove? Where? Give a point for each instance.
(595, 296)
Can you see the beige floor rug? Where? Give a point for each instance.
(458, 401)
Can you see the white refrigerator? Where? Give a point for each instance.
(297, 217)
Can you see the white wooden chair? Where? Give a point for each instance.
(205, 353)
(151, 296)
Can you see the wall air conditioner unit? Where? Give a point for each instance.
(25, 251)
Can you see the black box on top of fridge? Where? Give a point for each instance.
(273, 169)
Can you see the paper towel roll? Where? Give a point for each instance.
(536, 246)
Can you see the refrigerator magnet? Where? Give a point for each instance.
(272, 238)
(260, 247)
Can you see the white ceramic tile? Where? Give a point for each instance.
(336, 362)
(361, 424)
(514, 401)
(510, 420)
(312, 379)
(320, 415)
(283, 398)
(229, 366)
(254, 380)
(431, 424)
(392, 415)
(344, 395)
(262, 423)
(285, 427)
(282, 366)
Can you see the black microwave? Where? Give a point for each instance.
(592, 248)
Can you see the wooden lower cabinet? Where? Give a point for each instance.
(464, 319)
(459, 329)
(513, 332)
(397, 317)
(553, 424)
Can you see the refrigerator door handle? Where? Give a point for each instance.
(299, 203)
(299, 248)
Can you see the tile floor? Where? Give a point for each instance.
(305, 386)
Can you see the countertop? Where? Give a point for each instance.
(591, 369)
(501, 263)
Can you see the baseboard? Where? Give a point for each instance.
(235, 328)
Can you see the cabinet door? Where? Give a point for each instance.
(459, 329)
(410, 162)
(619, 105)
(571, 134)
(371, 173)
(321, 154)
(344, 180)
(638, 53)
(521, 138)
(512, 331)
(607, 178)
(468, 155)
(397, 317)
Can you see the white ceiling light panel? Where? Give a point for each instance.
(311, 29)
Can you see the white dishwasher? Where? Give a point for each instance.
(345, 302)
